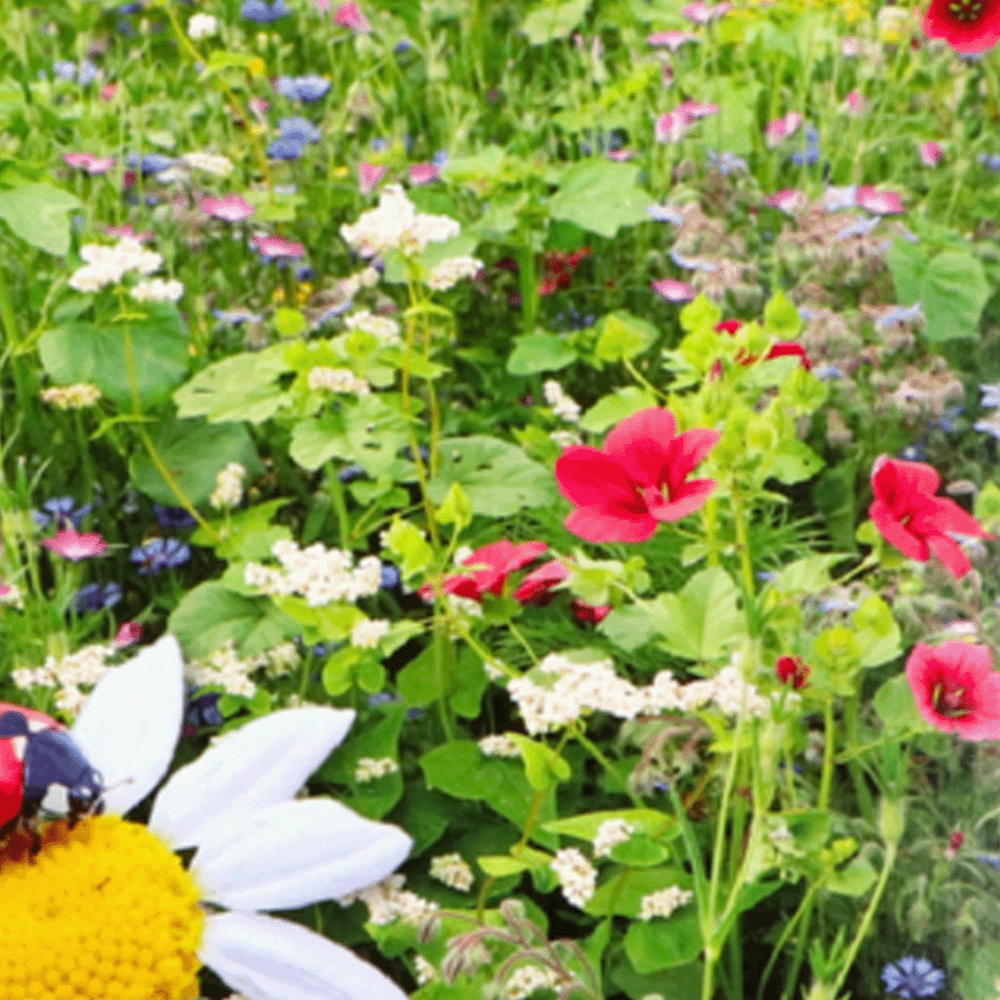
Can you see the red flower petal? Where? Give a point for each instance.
(587, 476)
(966, 25)
(537, 586)
(640, 444)
(601, 524)
(689, 498)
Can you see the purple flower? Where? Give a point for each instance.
(303, 88)
(298, 130)
(60, 510)
(391, 577)
(159, 554)
(172, 518)
(911, 977)
(94, 597)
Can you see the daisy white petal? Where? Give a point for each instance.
(295, 853)
(268, 959)
(262, 764)
(129, 727)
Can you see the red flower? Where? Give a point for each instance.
(787, 348)
(728, 326)
(791, 670)
(537, 586)
(966, 25)
(492, 564)
(956, 689)
(913, 519)
(70, 544)
(589, 612)
(640, 478)
(782, 349)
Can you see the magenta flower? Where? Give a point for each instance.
(787, 200)
(703, 13)
(349, 16)
(672, 40)
(129, 634)
(673, 126)
(781, 128)
(639, 479)
(368, 177)
(424, 173)
(931, 154)
(956, 689)
(878, 202)
(697, 109)
(232, 208)
(673, 291)
(89, 163)
(855, 103)
(72, 544)
(277, 246)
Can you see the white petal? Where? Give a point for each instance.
(293, 854)
(262, 764)
(128, 729)
(268, 959)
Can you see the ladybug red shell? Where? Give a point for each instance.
(42, 769)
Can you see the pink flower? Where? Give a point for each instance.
(276, 246)
(781, 128)
(620, 155)
(673, 126)
(639, 479)
(89, 162)
(537, 586)
(491, 565)
(878, 202)
(931, 154)
(120, 232)
(696, 109)
(787, 200)
(349, 16)
(71, 544)
(855, 103)
(703, 13)
(956, 689)
(129, 634)
(423, 173)
(108, 91)
(672, 40)
(232, 208)
(673, 291)
(368, 177)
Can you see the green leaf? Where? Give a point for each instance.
(37, 213)
(542, 765)
(987, 506)
(622, 336)
(621, 891)
(612, 409)
(897, 708)
(793, 461)
(877, 632)
(586, 825)
(781, 317)
(246, 534)
(155, 352)
(499, 865)
(704, 620)
(243, 387)
(554, 20)
(661, 944)
(288, 322)
(456, 508)
(806, 576)
(406, 542)
(600, 196)
(978, 967)
(539, 352)
(700, 314)
(854, 879)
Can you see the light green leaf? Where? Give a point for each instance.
(553, 20)
(539, 352)
(600, 196)
(38, 214)
(704, 620)
(242, 387)
(622, 336)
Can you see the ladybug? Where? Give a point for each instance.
(42, 770)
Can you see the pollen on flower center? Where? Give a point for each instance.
(106, 912)
(951, 701)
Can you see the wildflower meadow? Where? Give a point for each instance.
(499, 500)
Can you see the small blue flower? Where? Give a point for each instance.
(912, 977)
(663, 213)
(130, 8)
(692, 263)
(811, 153)
(990, 860)
(172, 518)
(159, 554)
(349, 473)
(379, 144)
(298, 130)
(726, 163)
(900, 314)
(94, 597)
(234, 317)
(440, 158)
(859, 227)
(988, 426)
(991, 161)
(57, 511)
(151, 163)
(991, 396)
(204, 710)
(264, 13)
(946, 422)
(827, 372)
(391, 577)
(82, 73)
(303, 88)
(403, 45)
(285, 149)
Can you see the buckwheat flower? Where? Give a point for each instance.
(664, 902)
(228, 492)
(611, 833)
(382, 328)
(396, 224)
(202, 26)
(499, 745)
(157, 290)
(577, 876)
(526, 979)
(71, 397)
(370, 769)
(910, 978)
(340, 380)
(563, 405)
(367, 634)
(453, 871)
(71, 544)
(159, 554)
(451, 271)
(388, 901)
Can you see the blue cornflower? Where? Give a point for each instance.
(991, 396)
(810, 154)
(726, 163)
(391, 577)
(151, 163)
(285, 149)
(236, 316)
(57, 511)
(403, 45)
(349, 473)
(913, 977)
(692, 263)
(298, 130)
(204, 710)
(172, 518)
(94, 597)
(303, 88)
(900, 314)
(264, 13)
(991, 161)
(159, 554)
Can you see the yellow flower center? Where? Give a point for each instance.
(105, 912)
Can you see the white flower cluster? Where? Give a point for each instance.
(664, 902)
(337, 380)
(372, 768)
(577, 876)
(224, 668)
(202, 26)
(451, 271)
(499, 745)
(209, 163)
(72, 397)
(563, 405)
(609, 834)
(69, 676)
(157, 290)
(424, 970)
(228, 490)
(368, 633)
(571, 690)
(104, 265)
(453, 871)
(384, 329)
(388, 901)
(318, 574)
(525, 979)
(565, 439)
(396, 224)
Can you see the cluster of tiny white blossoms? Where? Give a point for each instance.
(563, 405)
(337, 380)
(424, 970)
(202, 26)
(383, 328)
(368, 277)
(525, 979)
(453, 871)
(108, 265)
(367, 634)
(73, 676)
(224, 668)
(388, 901)
(397, 225)
(609, 834)
(228, 490)
(451, 271)
(559, 691)
(664, 902)
(157, 290)
(577, 876)
(499, 745)
(209, 163)
(318, 574)
(372, 768)
(71, 397)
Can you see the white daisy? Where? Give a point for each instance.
(108, 911)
